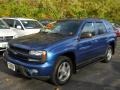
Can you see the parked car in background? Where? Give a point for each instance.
(117, 30)
(46, 21)
(23, 26)
(6, 34)
(59, 53)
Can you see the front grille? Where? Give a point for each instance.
(20, 54)
(19, 49)
(6, 38)
(17, 56)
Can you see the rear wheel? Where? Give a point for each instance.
(108, 55)
(62, 71)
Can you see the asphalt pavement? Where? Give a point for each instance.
(98, 76)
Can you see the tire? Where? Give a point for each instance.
(62, 71)
(108, 55)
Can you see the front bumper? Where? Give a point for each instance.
(29, 73)
(30, 69)
(3, 46)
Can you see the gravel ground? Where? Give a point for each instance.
(98, 76)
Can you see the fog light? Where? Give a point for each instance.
(33, 60)
(33, 71)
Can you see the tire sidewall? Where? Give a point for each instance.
(60, 60)
(106, 58)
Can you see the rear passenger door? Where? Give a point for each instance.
(101, 38)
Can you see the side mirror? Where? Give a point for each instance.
(19, 27)
(86, 35)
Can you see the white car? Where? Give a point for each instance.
(24, 26)
(6, 34)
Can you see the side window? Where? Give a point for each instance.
(101, 29)
(10, 22)
(88, 29)
(17, 23)
(109, 27)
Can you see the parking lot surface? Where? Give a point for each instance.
(98, 76)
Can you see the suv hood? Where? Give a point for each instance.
(7, 32)
(36, 41)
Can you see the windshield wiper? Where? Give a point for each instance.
(58, 34)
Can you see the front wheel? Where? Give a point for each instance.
(62, 71)
(108, 55)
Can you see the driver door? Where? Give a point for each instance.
(86, 44)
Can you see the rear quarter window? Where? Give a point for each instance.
(109, 26)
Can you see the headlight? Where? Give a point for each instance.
(37, 53)
(42, 54)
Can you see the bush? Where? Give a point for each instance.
(56, 9)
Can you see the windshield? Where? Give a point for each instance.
(65, 28)
(31, 24)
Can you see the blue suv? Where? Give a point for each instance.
(57, 54)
